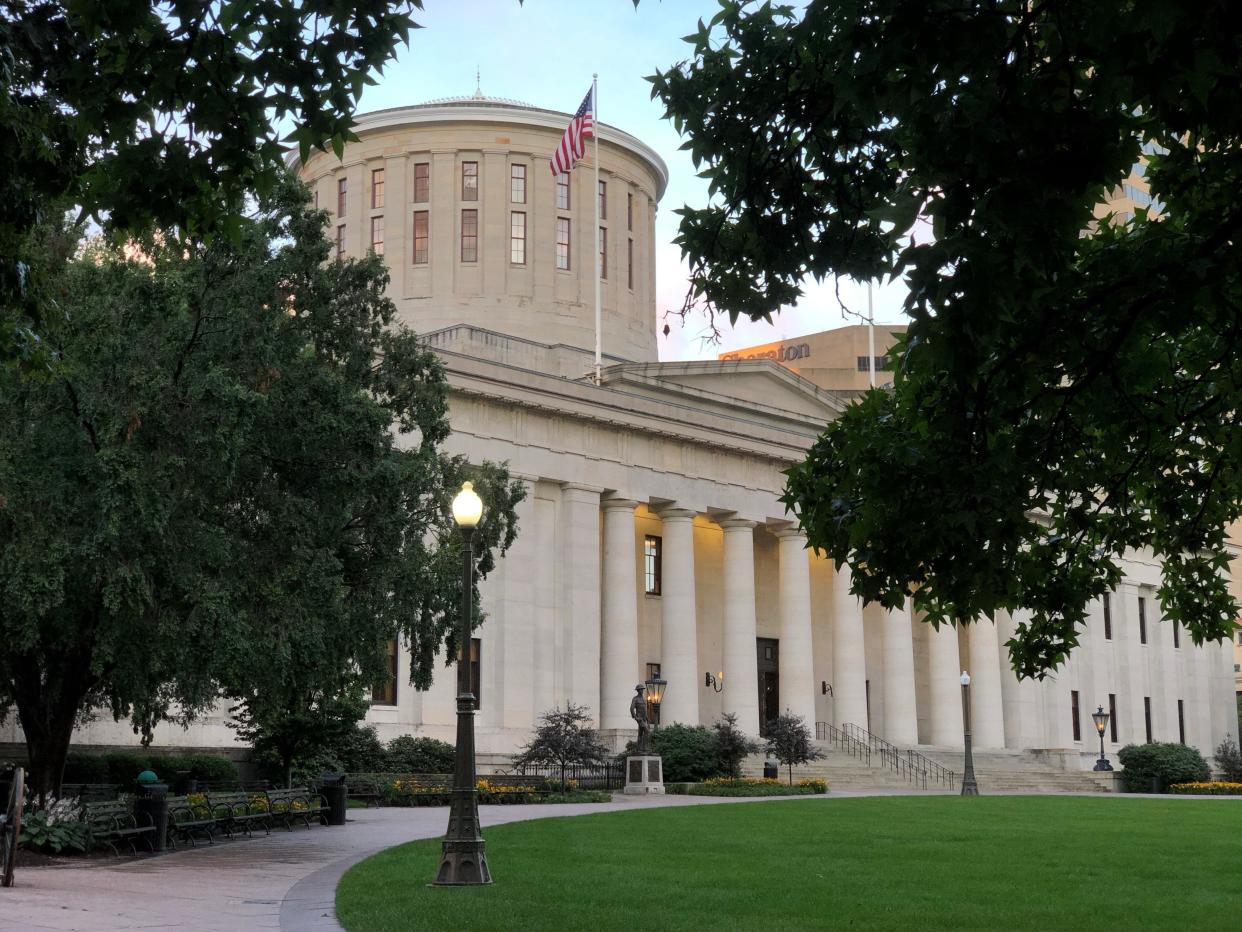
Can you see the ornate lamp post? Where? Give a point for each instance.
(655, 695)
(463, 860)
(969, 786)
(1100, 717)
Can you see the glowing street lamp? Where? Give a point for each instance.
(1100, 717)
(969, 786)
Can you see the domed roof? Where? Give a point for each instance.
(478, 98)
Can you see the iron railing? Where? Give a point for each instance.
(606, 776)
(911, 765)
(843, 741)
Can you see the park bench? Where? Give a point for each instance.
(366, 789)
(188, 817)
(233, 811)
(113, 822)
(286, 806)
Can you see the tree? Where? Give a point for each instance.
(563, 738)
(300, 725)
(789, 741)
(161, 113)
(1069, 389)
(1229, 760)
(731, 745)
(227, 484)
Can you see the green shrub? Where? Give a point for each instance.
(55, 830)
(361, 751)
(577, 796)
(124, 766)
(1170, 763)
(747, 786)
(1229, 760)
(85, 768)
(732, 746)
(689, 752)
(408, 754)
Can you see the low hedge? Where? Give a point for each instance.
(123, 768)
(748, 786)
(1211, 788)
(1169, 763)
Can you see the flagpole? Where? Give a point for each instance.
(595, 197)
(870, 336)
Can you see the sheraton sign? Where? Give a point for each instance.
(786, 353)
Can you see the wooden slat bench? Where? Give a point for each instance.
(239, 811)
(189, 817)
(366, 789)
(287, 806)
(113, 822)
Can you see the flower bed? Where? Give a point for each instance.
(748, 786)
(1210, 788)
(412, 792)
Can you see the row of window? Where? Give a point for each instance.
(385, 691)
(1076, 721)
(470, 241)
(470, 189)
(881, 363)
(1142, 622)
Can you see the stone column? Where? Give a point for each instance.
(849, 654)
(987, 710)
(679, 654)
(797, 669)
(515, 664)
(945, 687)
(901, 722)
(581, 598)
(1020, 698)
(741, 673)
(619, 622)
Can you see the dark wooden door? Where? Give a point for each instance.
(768, 657)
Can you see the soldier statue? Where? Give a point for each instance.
(638, 712)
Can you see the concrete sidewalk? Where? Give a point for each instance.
(286, 880)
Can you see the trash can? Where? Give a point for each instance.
(769, 770)
(151, 808)
(332, 786)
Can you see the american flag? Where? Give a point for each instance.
(572, 146)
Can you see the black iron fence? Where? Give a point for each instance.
(607, 776)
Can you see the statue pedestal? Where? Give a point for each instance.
(644, 774)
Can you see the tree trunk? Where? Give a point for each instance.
(288, 773)
(47, 707)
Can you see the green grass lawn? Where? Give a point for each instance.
(995, 863)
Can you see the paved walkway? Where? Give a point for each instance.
(286, 880)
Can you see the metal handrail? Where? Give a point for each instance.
(846, 742)
(914, 766)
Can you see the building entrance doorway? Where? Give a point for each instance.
(768, 655)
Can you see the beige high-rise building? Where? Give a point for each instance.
(838, 359)
(652, 538)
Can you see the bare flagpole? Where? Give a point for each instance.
(870, 336)
(595, 195)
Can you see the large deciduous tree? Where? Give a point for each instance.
(228, 483)
(1069, 389)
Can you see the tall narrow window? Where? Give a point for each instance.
(603, 252)
(1181, 721)
(652, 564)
(1112, 716)
(1076, 720)
(377, 188)
(469, 181)
(517, 237)
(603, 200)
(653, 708)
(629, 211)
(377, 235)
(384, 692)
(517, 184)
(420, 237)
(422, 182)
(1177, 638)
(629, 263)
(342, 187)
(316, 198)
(469, 236)
(340, 241)
(1147, 716)
(1142, 620)
(562, 242)
(562, 191)
(1108, 617)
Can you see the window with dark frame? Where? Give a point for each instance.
(1074, 713)
(1147, 716)
(517, 237)
(1108, 617)
(340, 241)
(377, 235)
(629, 211)
(603, 200)
(562, 191)
(469, 181)
(653, 710)
(342, 187)
(469, 236)
(603, 253)
(517, 184)
(629, 263)
(562, 243)
(1142, 602)
(420, 237)
(385, 691)
(1177, 638)
(1112, 716)
(881, 364)
(652, 564)
(377, 188)
(1181, 721)
(422, 182)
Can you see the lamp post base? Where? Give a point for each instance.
(463, 863)
(1102, 766)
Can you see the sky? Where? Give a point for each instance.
(544, 52)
